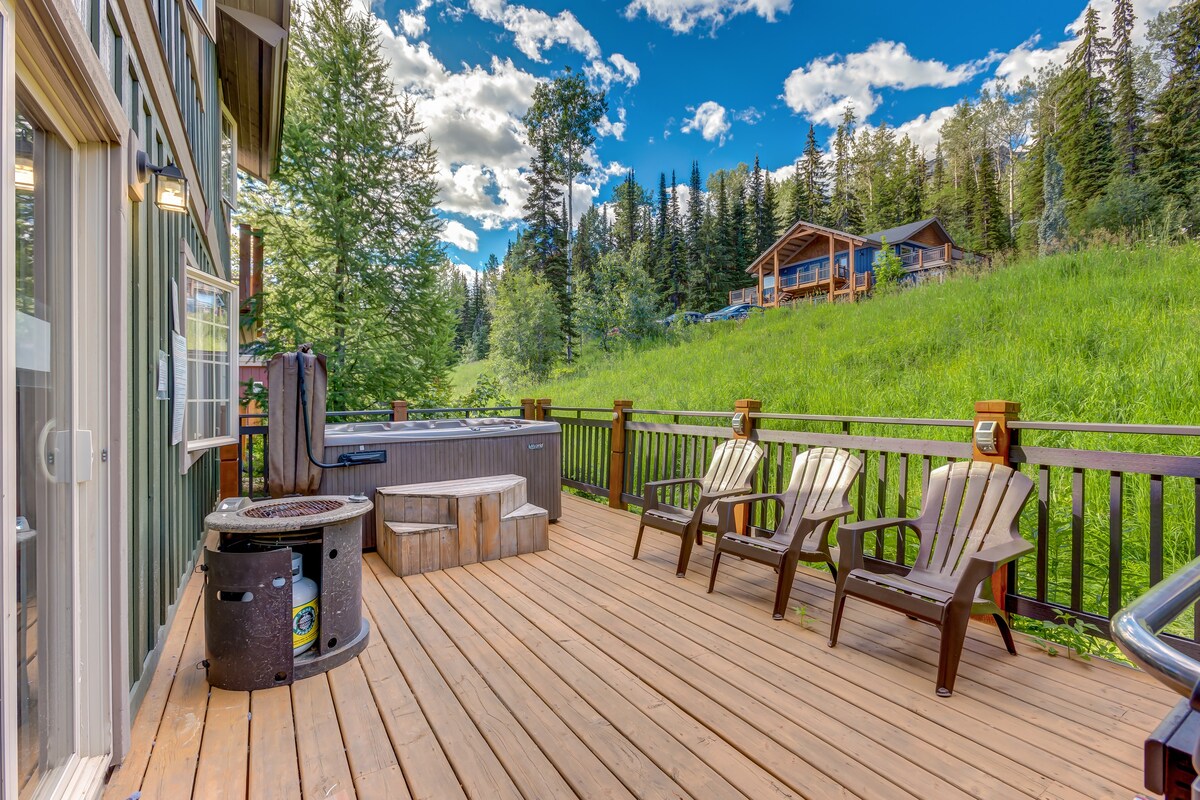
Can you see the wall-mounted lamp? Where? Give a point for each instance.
(25, 177)
(170, 187)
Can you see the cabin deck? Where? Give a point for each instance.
(578, 672)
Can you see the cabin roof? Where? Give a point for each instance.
(803, 232)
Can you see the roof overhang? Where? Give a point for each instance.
(252, 44)
(798, 237)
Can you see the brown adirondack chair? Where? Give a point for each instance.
(968, 530)
(814, 499)
(729, 474)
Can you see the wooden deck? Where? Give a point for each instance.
(578, 672)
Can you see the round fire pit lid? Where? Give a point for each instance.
(288, 514)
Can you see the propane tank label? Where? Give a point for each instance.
(304, 623)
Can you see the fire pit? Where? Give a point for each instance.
(259, 630)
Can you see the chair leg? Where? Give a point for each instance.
(832, 569)
(685, 554)
(839, 604)
(783, 591)
(637, 545)
(1005, 632)
(954, 632)
(712, 573)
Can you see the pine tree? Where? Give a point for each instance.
(545, 250)
(695, 220)
(763, 218)
(812, 178)
(991, 228)
(844, 211)
(1128, 132)
(676, 263)
(354, 260)
(628, 198)
(1174, 155)
(770, 214)
(1085, 137)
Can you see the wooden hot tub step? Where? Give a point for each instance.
(480, 519)
(413, 547)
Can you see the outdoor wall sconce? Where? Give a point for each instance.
(170, 187)
(25, 177)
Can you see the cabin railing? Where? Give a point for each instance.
(1114, 509)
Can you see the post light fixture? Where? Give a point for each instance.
(170, 187)
(26, 179)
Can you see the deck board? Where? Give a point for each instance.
(580, 672)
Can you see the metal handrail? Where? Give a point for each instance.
(1135, 629)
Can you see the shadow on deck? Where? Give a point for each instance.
(578, 672)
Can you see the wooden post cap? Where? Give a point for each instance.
(997, 407)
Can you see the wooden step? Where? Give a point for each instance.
(413, 547)
(510, 489)
(525, 530)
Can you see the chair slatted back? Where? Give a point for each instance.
(732, 466)
(968, 506)
(821, 480)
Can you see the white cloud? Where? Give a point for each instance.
(683, 15)
(413, 22)
(614, 129)
(534, 30)
(823, 88)
(925, 130)
(711, 120)
(750, 116)
(460, 236)
(466, 270)
(618, 69)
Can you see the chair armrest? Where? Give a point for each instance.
(850, 537)
(726, 505)
(829, 514)
(650, 490)
(983, 564)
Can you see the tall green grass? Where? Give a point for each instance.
(1103, 335)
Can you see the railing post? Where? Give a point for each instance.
(616, 457)
(399, 411)
(1000, 412)
(230, 464)
(539, 408)
(528, 410)
(745, 407)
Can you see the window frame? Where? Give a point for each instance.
(192, 449)
(229, 204)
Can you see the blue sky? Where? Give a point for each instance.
(719, 81)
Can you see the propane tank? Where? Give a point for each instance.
(304, 607)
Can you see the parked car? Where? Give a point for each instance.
(735, 311)
(682, 318)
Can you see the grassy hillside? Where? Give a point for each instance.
(1108, 335)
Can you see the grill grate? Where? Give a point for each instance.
(293, 508)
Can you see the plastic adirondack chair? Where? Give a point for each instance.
(816, 496)
(968, 530)
(732, 469)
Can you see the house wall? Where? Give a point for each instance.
(122, 76)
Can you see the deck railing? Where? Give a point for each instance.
(1113, 513)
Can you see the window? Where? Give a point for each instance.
(208, 306)
(229, 178)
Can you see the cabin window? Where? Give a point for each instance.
(209, 316)
(229, 177)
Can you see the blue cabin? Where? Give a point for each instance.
(814, 262)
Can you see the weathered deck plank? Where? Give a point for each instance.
(579, 672)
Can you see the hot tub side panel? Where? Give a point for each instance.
(535, 456)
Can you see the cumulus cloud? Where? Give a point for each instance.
(925, 130)
(460, 236)
(710, 119)
(618, 69)
(682, 16)
(822, 89)
(413, 21)
(614, 129)
(750, 116)
(534, 30)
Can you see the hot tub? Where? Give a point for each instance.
(422, 451)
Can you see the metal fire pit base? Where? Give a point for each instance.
(248, 590)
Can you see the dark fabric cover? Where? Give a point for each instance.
(289, 469)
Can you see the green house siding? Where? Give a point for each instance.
(166, 508)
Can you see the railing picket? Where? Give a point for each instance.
(926, 468)
(1156, 529)
(1116, 494)
(861, 503)
(1077, 507)
(901, 507)
(1196, 551)
(1043, 532)
(881, 501)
